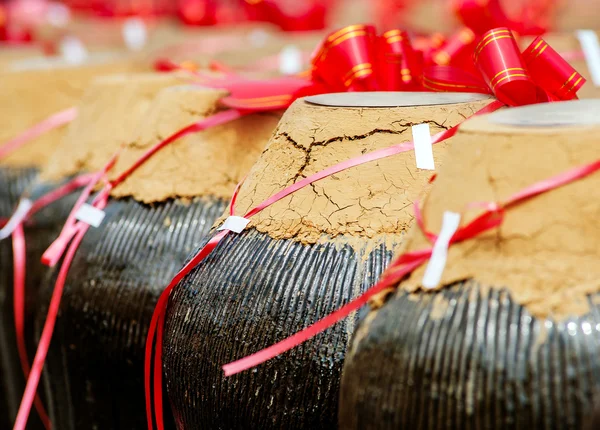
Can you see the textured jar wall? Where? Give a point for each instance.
(13, 181)
(40, 231)
(469, 358)
(94, 371)
(250, 292)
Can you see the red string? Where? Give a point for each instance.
(156, 329)
(48, 124)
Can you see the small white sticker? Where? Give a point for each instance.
(135, 34)
(423, 147)
(439, 255)
(591, 50)
(17, 217)
(73, 50)
(90, 215)
(236, 224)
(290, 60)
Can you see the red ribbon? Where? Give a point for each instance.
(538, 74)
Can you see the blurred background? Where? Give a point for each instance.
(143, 24)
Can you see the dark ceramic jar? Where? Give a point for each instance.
(509, 339)
(296, 262)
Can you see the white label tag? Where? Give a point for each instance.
(73, 50)
(90, 215)
(17, 217)
(423, 148)
(437, 262)
(591, 50)
(135, 34)
(236, 224)
(290, 60)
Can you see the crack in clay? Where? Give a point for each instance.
(367, 201)
(312, 145)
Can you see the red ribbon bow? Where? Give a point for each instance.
(538, 74)
(351, 59)
(355, 58)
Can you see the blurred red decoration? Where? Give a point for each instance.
(127, 8)
(526, 17)
(210, 12)
(11, 31)
(291, 15)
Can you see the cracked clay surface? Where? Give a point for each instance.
(109, 112)
(208, 163)
(364, 201)
(30, 96)
(546, 251)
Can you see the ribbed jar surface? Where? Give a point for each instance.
(251, 292)
(13, 181)
(94, 371)
(469, 357)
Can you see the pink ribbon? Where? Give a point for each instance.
(54, 121)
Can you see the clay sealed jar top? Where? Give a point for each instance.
(208, 163)
(30, 96)
(365, 201)
(109, 112)
(546, 250)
